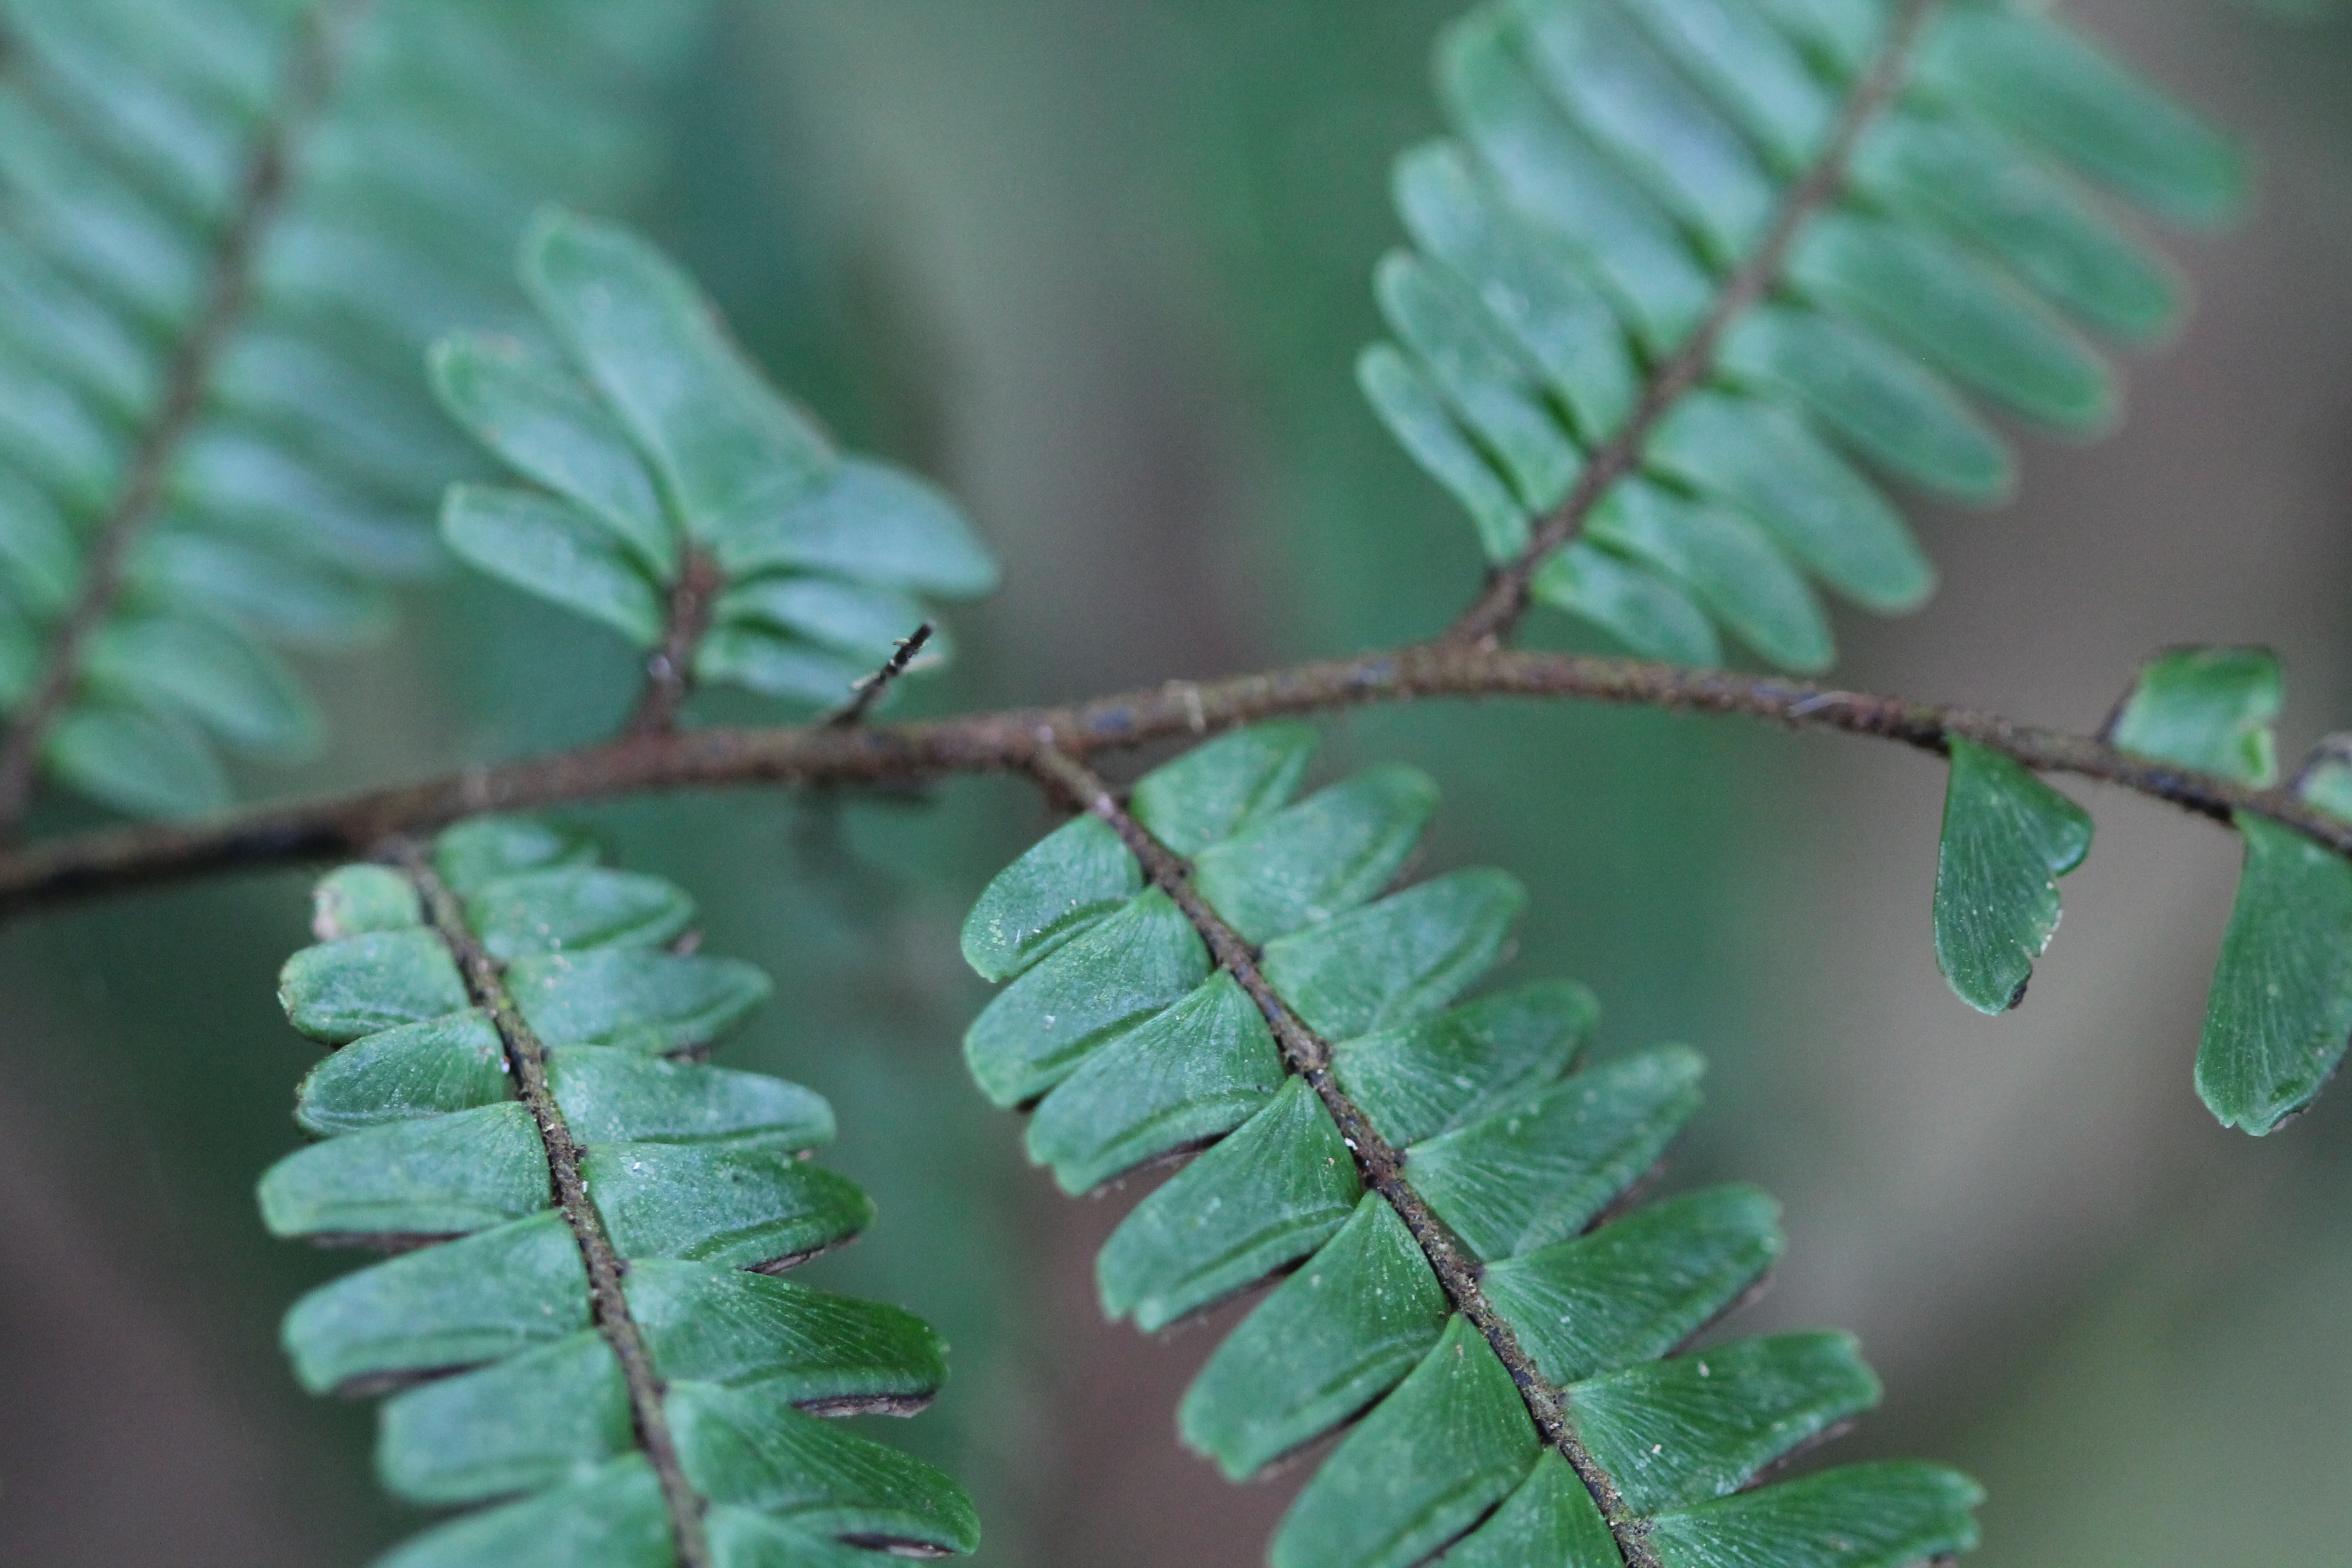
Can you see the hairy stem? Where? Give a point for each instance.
(1499, 609)
(262, 195)
(1009, 739)
(527, 1059)
(870, 690)
(1380, 1162)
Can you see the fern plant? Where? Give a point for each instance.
(1689, 282)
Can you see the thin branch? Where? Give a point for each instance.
(669, 669)
(869, 690)
(1378, 1162)
(261, 194)
(527, 1059)
(1499, 609)
(349, 825)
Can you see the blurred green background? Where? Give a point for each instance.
(1101, 265)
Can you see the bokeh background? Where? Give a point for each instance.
(1101, 265)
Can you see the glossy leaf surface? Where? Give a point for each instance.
(2008, 838)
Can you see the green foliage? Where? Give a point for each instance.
(510, 1364)
(2281, 1007)
(659, 446)
(2008, 838)
(1132, 1051)
(1615, 164)
(204, 385)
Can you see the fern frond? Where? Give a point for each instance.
(227, 230)
(679, 498)
(1442, 1182)
(1688, 269)
(590, 1221)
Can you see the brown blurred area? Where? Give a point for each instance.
(2125, 1321)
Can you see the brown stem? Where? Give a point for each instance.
(995, 743)
(669, 669)
(1381, 1163)
(527, 1059)
(1499, 609)
(852, 714)
(262, 195)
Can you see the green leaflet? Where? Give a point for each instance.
(530, 1421)
(1332, 1338)
(1729, 565)
(1648, 613)
(1864, 1516)
(1198, 1071)
(2205, 708)
(1874, 397)
(1638, 1287)
(1618, 161)
(1540, 1168)
(1930, 296)
(2052, 86)
(555, 550)
(611, 1516)
(1511, 1148)
(691, 1183)
(360, 899)
(1674, 1433)
(1766, 461)
(296, 484)
(1299, 865)
(726, 445)
(143, 763)
(341, 990)
(739, 1208)
(1453, 1441)
(1215, 791)
(2008, 838)
(1422, 1079)
(1550, 1520)
(749, 1447)
(1980, 188)
(1123, 971)
(209, 673)
(462, 1304)
(640, 1001)
(1562, 323)
(441, 1175)
(2281, 1007)
(1409, 404)
(1077, 875)
(656, 437)
(551, 912)
(1480, 378)
(1273, 1191)
(538, 416)
(1400, 959)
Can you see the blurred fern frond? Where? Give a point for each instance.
(1689, 270)
(678, 497)
(227, 230)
